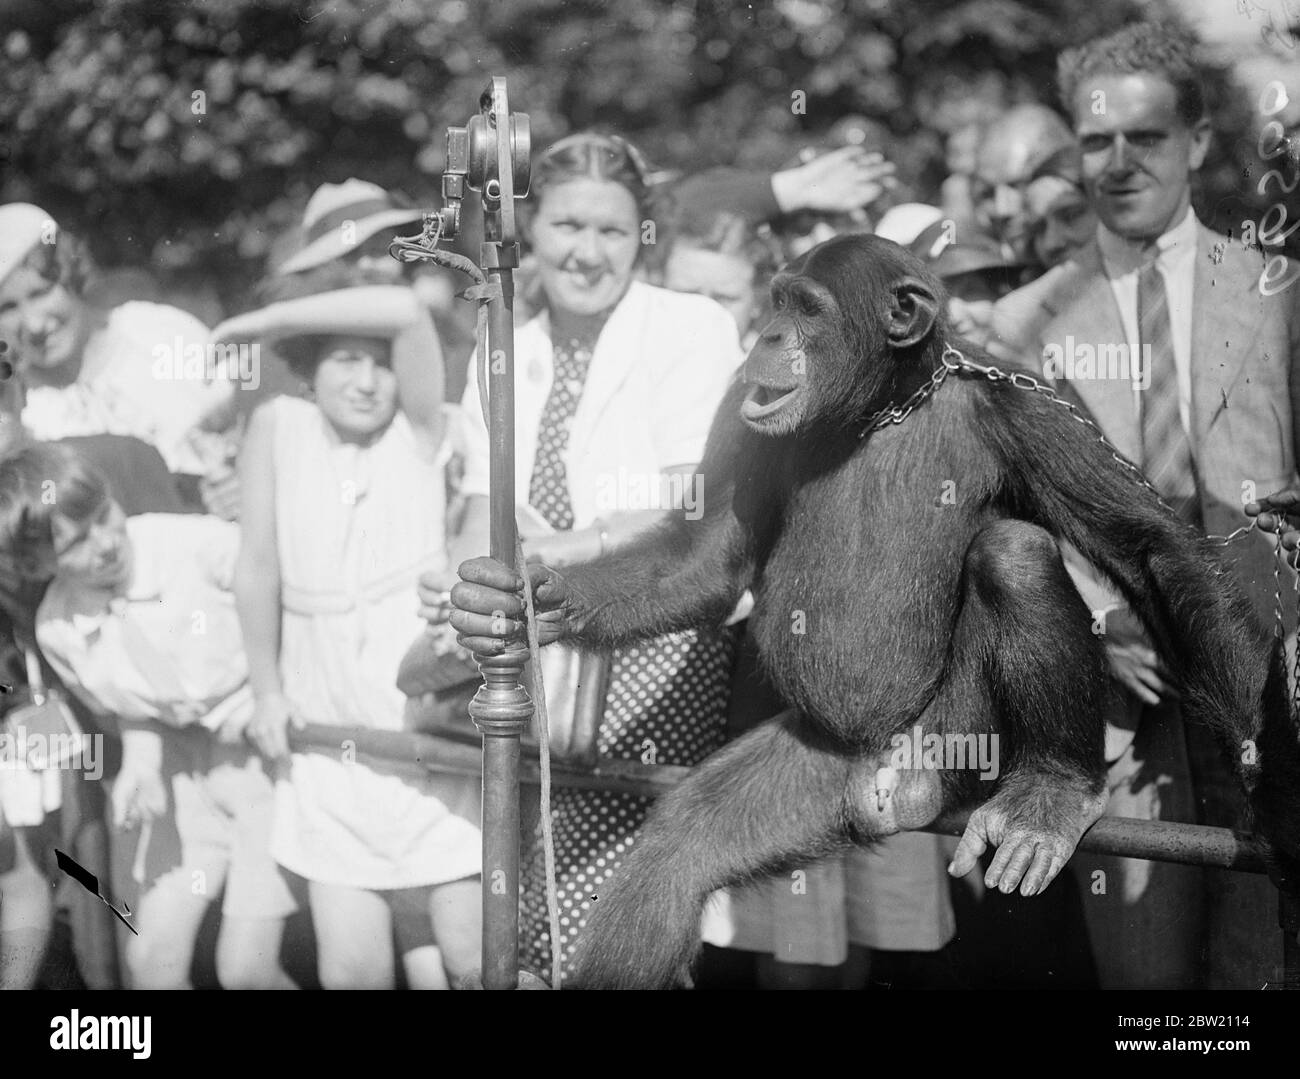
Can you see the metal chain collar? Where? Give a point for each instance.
(957, 362)
(898, 413)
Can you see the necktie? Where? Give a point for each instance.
(1166, 450)
(548, 489)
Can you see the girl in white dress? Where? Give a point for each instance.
(343, 508)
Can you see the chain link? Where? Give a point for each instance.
(1025, 381)
(899, 413)
(956, 362)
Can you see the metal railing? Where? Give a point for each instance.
(1159, 841)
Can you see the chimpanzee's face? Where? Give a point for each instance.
(777, 367)
(848, 319)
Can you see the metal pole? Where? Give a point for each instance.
(501, 709)
(492, 153)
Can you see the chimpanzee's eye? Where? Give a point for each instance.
(807, 304)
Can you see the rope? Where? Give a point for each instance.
(544, 744)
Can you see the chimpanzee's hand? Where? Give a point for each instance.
(490, 607)
(1035, 821)
(1278, 513)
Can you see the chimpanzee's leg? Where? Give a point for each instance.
(1024, 648)
(772, 797)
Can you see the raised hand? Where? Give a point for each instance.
(839, 182)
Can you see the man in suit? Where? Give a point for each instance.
(1210, 414)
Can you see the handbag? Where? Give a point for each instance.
(40, 739)
(43, 734)
(439, 678)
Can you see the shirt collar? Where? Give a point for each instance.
(87, 609)
(1122, 256)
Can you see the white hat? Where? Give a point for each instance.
(367, 208)
(905, 222)
(22, 227)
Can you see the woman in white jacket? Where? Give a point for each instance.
(616, 385)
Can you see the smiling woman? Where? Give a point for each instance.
(87, 371)
(617, 379)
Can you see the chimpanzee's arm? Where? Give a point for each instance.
(1203, 625)
(688, 570)
(1058, 474)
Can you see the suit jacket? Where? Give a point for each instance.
(1245, 373)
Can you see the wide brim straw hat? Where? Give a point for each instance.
(22, 227)
(341, 217)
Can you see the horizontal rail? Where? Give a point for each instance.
(1158, 841)
(1153, 840)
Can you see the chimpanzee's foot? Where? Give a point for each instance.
(1035, 820)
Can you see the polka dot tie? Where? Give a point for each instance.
(548, 489)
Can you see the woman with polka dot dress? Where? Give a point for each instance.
(616, 385)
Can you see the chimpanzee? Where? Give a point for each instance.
(905, 574)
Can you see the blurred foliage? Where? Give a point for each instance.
(187, 135)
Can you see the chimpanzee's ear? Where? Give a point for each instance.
(912, 311)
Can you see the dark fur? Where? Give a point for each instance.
(960, 617)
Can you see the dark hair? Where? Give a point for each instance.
(722, 231)
(589, 155)
(302, 354)
(1168, 50)
(65, 262)
(28, 476)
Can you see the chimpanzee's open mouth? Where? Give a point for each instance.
(763, 401)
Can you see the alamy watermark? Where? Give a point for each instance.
(28, 750)
(1082, 361)
(213, 361)
(951, 751)
(624, 490)
(121, 1032)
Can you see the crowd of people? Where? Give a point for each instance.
(218, 541)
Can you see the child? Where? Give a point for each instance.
(139, 622)
(344, 503)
